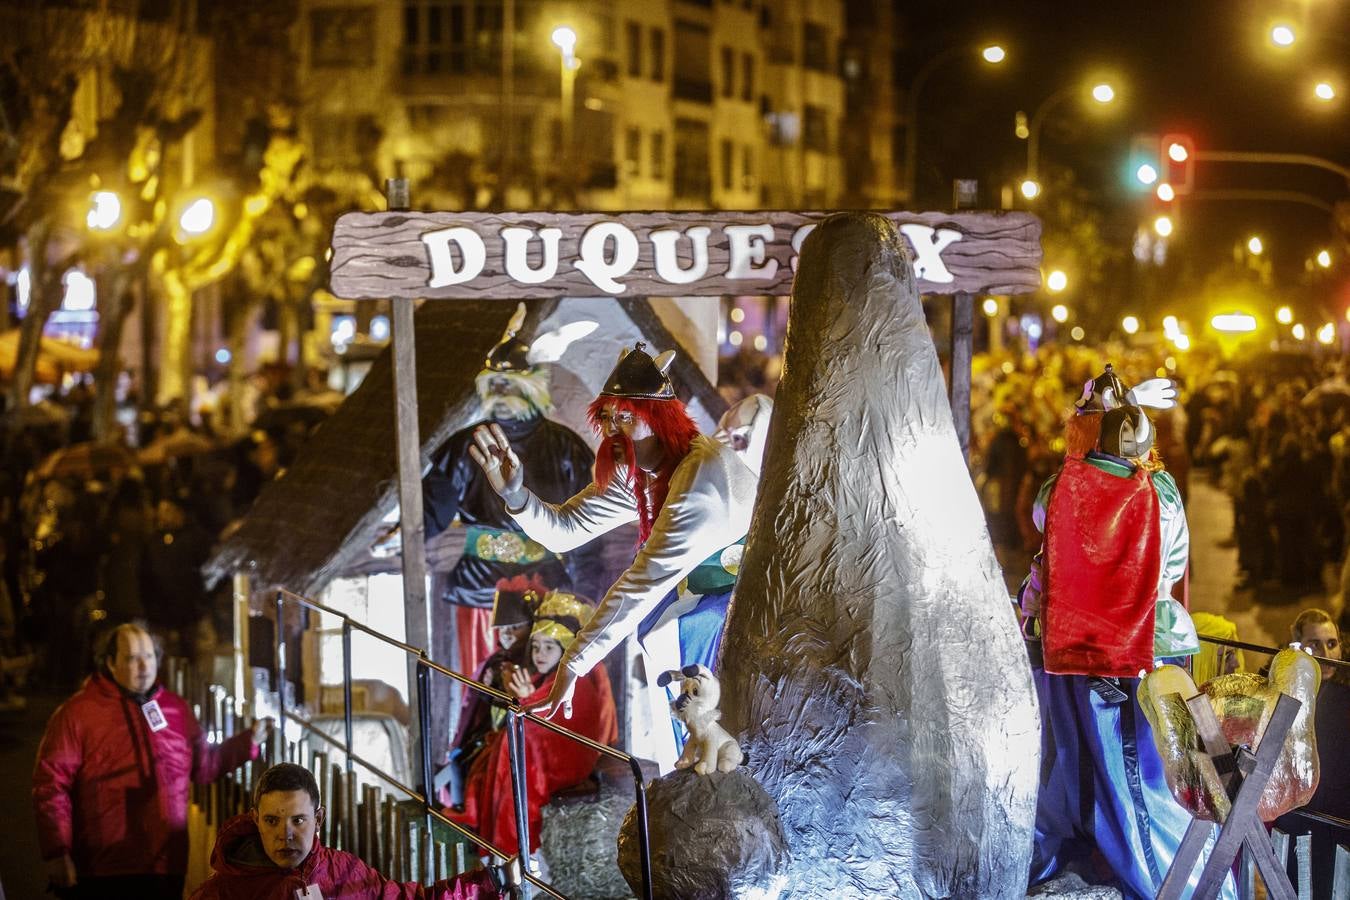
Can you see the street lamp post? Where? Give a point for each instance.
(992, 54)
(1102, 93)
(565, 39)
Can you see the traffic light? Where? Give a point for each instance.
(1145, 167)
(1177, 153)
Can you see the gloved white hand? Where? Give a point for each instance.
(1157, 393)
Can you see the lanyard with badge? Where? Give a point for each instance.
(310, 893)
(154, 716)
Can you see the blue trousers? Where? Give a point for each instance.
(1103, 788)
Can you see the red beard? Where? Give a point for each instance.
(617, 456)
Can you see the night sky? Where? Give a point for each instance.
(1202, 67)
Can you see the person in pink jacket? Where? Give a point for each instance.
(111, 782)
(274, 853)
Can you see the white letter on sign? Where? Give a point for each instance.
(518, 241)
(928, 246)
(592, 263)
(443, 270)
(746, 245)
(668, 264)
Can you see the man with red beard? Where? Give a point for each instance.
(691, 497)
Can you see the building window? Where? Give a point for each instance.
(816, 129)
(634, 50)
(693, 178)
(728, 165)
(748, 168)
(747, 77)
(435, 36)
(342, 37)
(693, 63)
(728, 72)
(632, 151)
(815, 47)
(658, 54)
(659, 155)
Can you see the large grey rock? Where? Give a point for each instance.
(1071, 886)
(713, 837)
(872, 659)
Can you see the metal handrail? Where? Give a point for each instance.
(516, 717)
(1271, 651)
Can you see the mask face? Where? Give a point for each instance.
(287, 824)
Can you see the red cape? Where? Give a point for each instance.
(552, 762)
(1103, 557)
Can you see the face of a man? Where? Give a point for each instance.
(287, 824)
(134, 667)
(1322, 639)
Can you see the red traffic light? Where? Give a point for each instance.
(1176, 152)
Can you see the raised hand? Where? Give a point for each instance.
(1157, 393)
(493, 453)
(518, 682)
(560, 697)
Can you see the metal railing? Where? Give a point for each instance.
(516, 717)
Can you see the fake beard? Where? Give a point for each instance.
(617, 456)
(526, 397)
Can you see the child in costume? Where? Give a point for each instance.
(552, 762)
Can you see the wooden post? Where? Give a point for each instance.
(417, 629)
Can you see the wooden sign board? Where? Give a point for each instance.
(516, 256)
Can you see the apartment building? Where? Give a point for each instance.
(676, 104)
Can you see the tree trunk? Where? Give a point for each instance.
(175, 355)
(44, 297)
(237, 377)
(114, 306)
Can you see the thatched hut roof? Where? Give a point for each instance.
(320, 517)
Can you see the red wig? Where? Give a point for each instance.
(674, 431)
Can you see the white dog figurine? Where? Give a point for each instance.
(709, 746)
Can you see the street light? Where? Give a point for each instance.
(1284, 315)
(1324, 91)
(1102, 93)
(1298, 331)
(1255, 246)
(1282, 35)
(1324, 258)
(1166, 193)
(1031, 188)
(1326, 334)
(1060, 313)
(1057, 281)
(990, 307)
(1163, 225)
(1146, 174)
(105, 211)
(1130, 324)
(565, 39)
(993, 54)
(196, 219)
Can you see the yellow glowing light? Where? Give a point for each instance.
(1171, 326)
(1103, 93)
(737, 315)
(1170, 363)
(1060, 313)
(1165, 193)
(1255, 246)
(1030, 188)
(1324, 258)
(198, 218)
(990, 306)
(994, 54)
(1077, 333)
(1282, 36)
(1324, 91)
(105, 211)
(1176, 151)
(1326, 334)
(735, 338)
(1183, 342)
(565, 39)
(1233, 323)
(1163, 225)
(1057, 280)
(761, 342)
(1298, 331)
(1284, 315)
(1130, 324)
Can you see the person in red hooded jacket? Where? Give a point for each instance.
(274, 853)
(110, 786)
